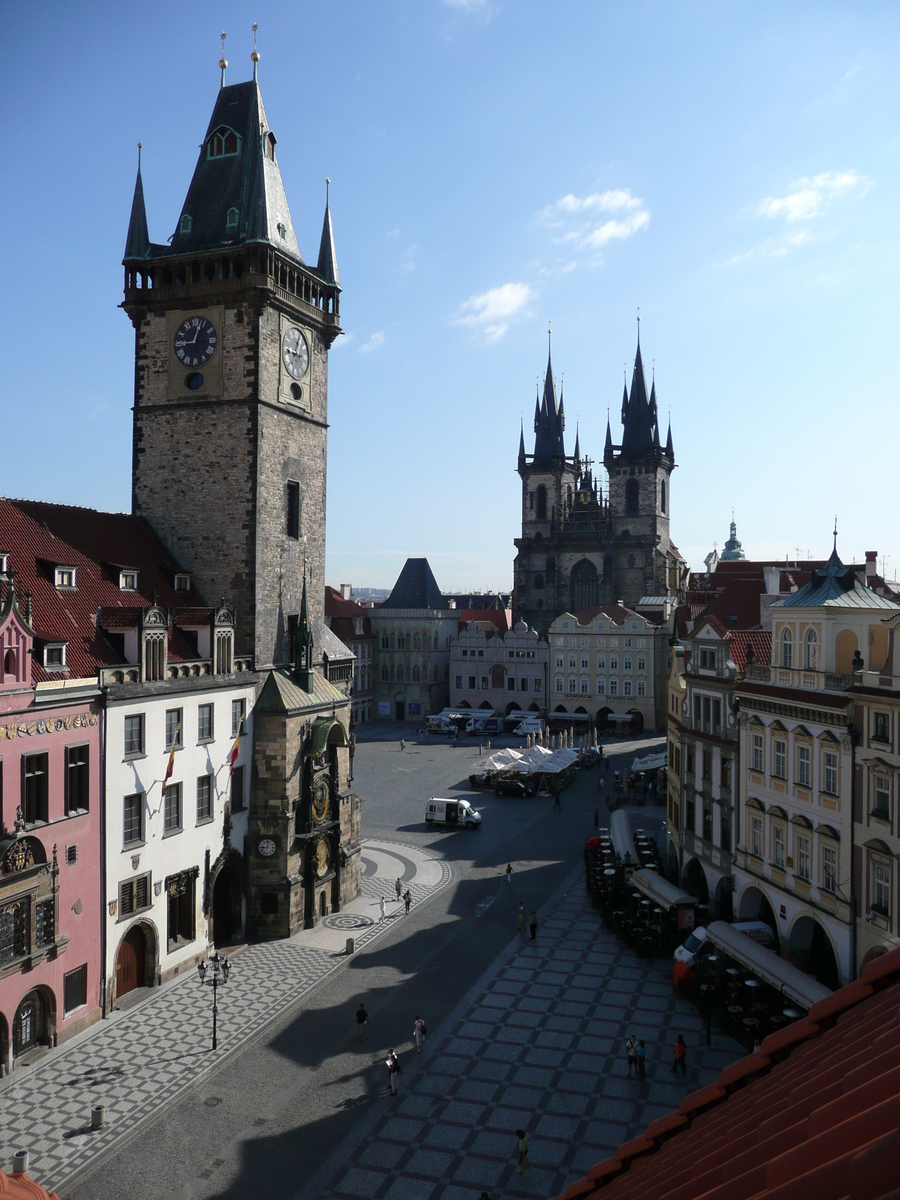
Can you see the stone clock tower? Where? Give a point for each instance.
(232, 333)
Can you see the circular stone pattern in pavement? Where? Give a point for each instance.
(346, 921)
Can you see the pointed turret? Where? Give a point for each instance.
(138, 241)
(303, 651)
(670, 449)
(521, 447)
(577, 454)
(637, 436)
(236, 194)
(327, 264)
(537, 410)
(549, 443)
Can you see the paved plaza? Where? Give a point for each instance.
(128, 1064)
(537, 1044)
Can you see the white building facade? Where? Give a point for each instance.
(504, 672)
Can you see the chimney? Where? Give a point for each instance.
(871, 564)
(346, 589)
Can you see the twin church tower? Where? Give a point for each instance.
(580, 549)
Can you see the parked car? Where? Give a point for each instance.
(513, 787)
(452, 812)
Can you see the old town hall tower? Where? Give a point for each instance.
(579, 548)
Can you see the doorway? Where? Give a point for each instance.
(400, 710)
(30, 1026)
(130, 961)
(223, 909)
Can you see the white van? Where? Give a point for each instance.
(759, 931)
(452, 812)
(528, 725)
(438, 724)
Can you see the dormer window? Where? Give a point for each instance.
(270, 146)
(55, 656)
(64, 577)
(222, 143)
(282, 229)
(186, 223)
(232, 219)
(182, 583)
(4, 563)
(128, 581)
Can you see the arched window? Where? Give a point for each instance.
(384, 673)
(812, 647)
(417, 642)
(541, 494)
(416, 675)
(223, 141)
(385, 642)
(231, 219)
(787, 648)
(9, 664)
(401, 642)
(425, 673)
(186, 224)
(632, 496)
(399, 674)
(662, 496)
(539, 581)
(583, 585)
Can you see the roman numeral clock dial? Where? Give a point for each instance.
(195, 341)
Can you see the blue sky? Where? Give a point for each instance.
(729, 169)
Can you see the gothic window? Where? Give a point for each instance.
(584, 586)
(185, 224)
(417, 642)
(401, 642)
(399, 674)
(632, 496)
(231, 220)
(293, 510)
(662, 496)
(416, 675)
(538, 581)
(224, 141)
(385, 642)
(811, 649)
(541, 494)
(425, 674)
(787, 648)
(384, 673)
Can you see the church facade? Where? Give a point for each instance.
(583, 548)
(232, 334)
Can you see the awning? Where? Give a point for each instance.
(623, 842)
(650, 762)
(320, 734)
(621, 716)
(659, 890)
(803, 989)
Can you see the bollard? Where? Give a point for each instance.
(20, 1162)
(97, 1116)
(349, 945)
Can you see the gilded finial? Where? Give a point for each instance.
(327, 186)
(139, 155)
(223, 61)
(255, 55)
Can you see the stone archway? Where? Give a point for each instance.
(136, 959)
(694, 881)
(810, 949)
(227, 902)
(33, 1022)
(754, 906)
(724, 900)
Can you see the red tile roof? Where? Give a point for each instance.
(495, 616)
(337, 606)
(38, 536)
(813, 1115)
(615, 612)
(759, 639)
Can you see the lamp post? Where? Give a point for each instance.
(221, 969)
(709, 964)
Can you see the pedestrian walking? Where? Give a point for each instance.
(521, 917)
(679, 1063)
(419, 1032)
(394, 1069)
(532, 922)
(631, 1051)
(524, 1164)
(362, 1019)
(556, 803)
(641, 1057)
(509, 872)
(601, 784)
(407, 900)
(381, 906)
(398, 887)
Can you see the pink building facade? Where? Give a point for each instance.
(50, 853)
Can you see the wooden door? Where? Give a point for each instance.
(130, 962)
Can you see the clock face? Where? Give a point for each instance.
(267, 847)
(195, 341)
(320, 800)
(295, 353)
(323, 858)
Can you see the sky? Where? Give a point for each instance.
(498, 167)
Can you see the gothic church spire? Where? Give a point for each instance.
(138, 241)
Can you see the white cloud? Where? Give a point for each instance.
(470, 6)
(590, 222)
(807, 197)
(376, 340)
(492, 311)
(407, 263)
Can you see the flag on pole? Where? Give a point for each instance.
(235, 751)
(171, 765)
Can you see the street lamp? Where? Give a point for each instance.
(709, 965)
(221, 969)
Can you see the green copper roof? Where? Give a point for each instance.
(835, 586)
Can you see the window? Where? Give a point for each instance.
(204, 798)
(882, 804)
(182, 907)
(778, 846)
(716, 714)
(804, 759)
(458, 678)
(238, 714)
(626, 688)
(292, 528)
(725, 776)
(632, 496)
(523, 685)
(34, 788)
(756, 837)
(133, 822)
(55, 656)
(399, 674)
(626, 665)
(601, 663)
(385, 642)
(182, 582)
(559, 661)
(757, 753)
(538, 685)
(64, 577)
(614, 664)
(541, 505)
(511, 683)
(205, 723)
(417, 676)
(559, 683)
(690, 815)
(585, 687)
(75, 989)
(231, 220)
(882, 731)
(779, 757)
(237, 789)
(787, 648)
(385, 676)
(642, 663)
(15, 930)
(571, 662)
(697, 712)
(830, 783)
(707, 660)
(77, 779)
(472, 683)
(186, 223)
(614, 687)
(811, 649)
(485, 682)
(134, 895)
(662, 495)
(689, 759)
(572, 684)
(71, 855)
(601, 687)
(707, 824)
(128, 581)
(706, 764)
(44, 923)
(401, 642)
(881, 888)
(172, 804)
(802, 856)
(585, 663)
(726, 830)
(173, 728)
(829, 869)
(642, 687)
(224, 141)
